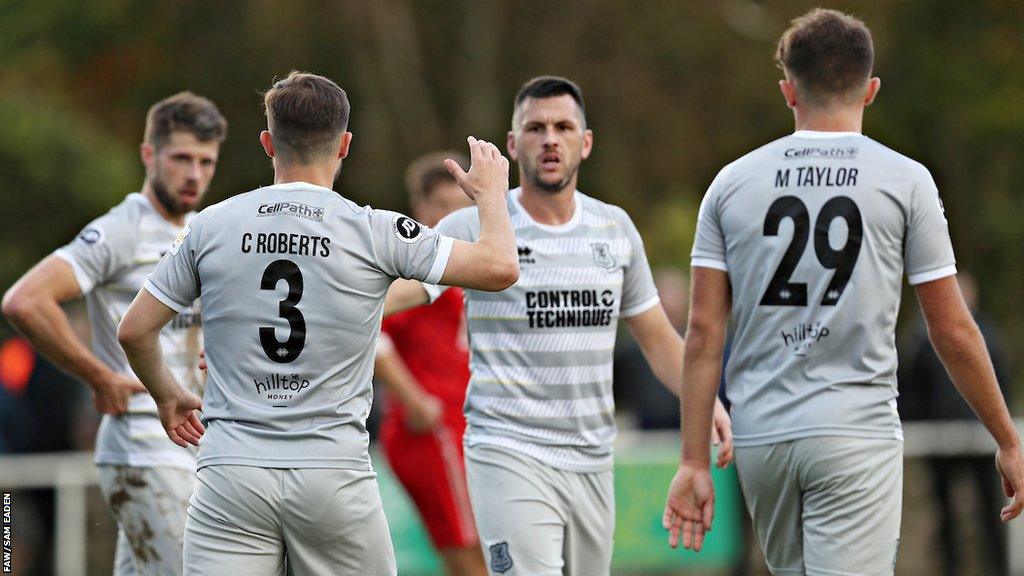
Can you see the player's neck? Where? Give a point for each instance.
(316, 174)
(846, 119)
(550, 208)
(176, 219)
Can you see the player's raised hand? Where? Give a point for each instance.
(721, 435)
(690, 506)
(112, 394)
(1010, 464)
(488, 171)
(178, 416)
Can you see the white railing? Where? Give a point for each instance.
(71, 474)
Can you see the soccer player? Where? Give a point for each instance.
(145, 478)
(292, 279)
(805, 241)
(539, 409)
(427, 368)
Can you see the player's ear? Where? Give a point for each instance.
(588, 143)
(346, 141)
(510, 145)
(874, 85)
(268, 143)
(789, 92)
(147, 152)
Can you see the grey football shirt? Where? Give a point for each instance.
(292, 279)
(816, 231)
(111, 259)
(541, 351)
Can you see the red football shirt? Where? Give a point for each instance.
(431, 340)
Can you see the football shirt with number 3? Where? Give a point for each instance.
(292, 279)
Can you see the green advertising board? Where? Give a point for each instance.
(642, 475)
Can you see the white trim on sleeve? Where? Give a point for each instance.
(929, 275)
(85, 284)
(444, 250)
(434, 292)
(700, 262)
(163, 297)
(641, 307)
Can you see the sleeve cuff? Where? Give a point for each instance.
(929, 275)
(641, 307)
(163, 297)
(699, 262)
(434, 291)
(384, 345)
(85, 283)
(444, 250)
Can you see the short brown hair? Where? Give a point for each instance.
(829, 54)
(549, 87)
(427, 172)
(306, 114)
(184, 112)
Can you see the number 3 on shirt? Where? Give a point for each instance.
(782, 292)
(289, 350)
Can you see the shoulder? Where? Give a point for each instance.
(601, 214)
(120, 225)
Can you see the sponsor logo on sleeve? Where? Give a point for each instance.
(501, 562)
(406, 229)
(92, 236)
(179, 240)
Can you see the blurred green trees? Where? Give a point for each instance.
(674, 91)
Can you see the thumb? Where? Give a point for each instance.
(137, 386)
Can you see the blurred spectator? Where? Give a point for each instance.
(926, 393)
(634, 382)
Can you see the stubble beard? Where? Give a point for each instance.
(164, 196)
(533, 175)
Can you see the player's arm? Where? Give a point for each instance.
(32, 305)
(491, 263)
(663, 348)
(404, 294)
(960, 346)
(423, 410)
(139, 335)
(689, 507)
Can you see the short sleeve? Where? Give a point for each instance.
(101, 251)
(639, 293)
(709, 240)
(928, 251)
(404, 248)
(459, 225)
(175, 280)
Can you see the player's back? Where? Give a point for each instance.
(293, 278)
(815, 231)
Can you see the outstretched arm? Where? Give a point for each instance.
(960, 346)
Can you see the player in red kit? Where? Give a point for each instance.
(423, 360)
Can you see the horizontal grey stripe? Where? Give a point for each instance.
(582, 230)
(521, 326)
(492, 389)
(520, 358)
(530, 423)
(583, 438)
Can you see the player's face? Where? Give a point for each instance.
(549, 141)
(180, 171)
(444, 199)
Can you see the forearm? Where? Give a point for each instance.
(147, 361)
(496, 233)
(666, 361)
(701, 373)
(390, 371)
(963, 353)
(46, 326)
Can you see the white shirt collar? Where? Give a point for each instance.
(577, 214)
(823, 134)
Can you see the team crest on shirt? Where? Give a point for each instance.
(603, 255)
(501, 562)
(406, 229)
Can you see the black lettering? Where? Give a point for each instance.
(782, 177)
(325, 247)
(261, 243)
(246, 242)
(531, 299)
(304, 245)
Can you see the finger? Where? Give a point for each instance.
(715, 438)
(455, 170)
(474, 151)
(136, 386)
(202, 353)
(189, 428)
(173, 435)
(708, 514)
(673, 536)
(495, 154)
(197, 424)
(187, 436)
(687, 534)
(1013, 509)
(698, 536)
(1007, 487)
